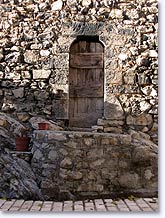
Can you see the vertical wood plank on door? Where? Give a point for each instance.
(82, 46)
(99, 48)
(73, 77)
(92, 47)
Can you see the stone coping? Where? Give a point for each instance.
(82, 132)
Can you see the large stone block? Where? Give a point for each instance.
(31, 57)
(142, 120)
(112, 108)
(18, 93)
(57, 5)
(41, 74)
(129, 180)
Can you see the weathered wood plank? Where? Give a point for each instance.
(86, 111)
(73, 76)
(82, 46)
(86, 60)
(95, 90)
(92, 47)
(74, 48)
(99, 48)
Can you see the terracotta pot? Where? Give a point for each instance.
(22, 143)
(43, 126)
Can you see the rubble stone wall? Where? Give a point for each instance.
(70, 165)
(35, 37)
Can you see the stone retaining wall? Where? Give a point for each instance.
(71, 165)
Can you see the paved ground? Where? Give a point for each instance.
(126, 205)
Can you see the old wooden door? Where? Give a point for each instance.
(86, 82)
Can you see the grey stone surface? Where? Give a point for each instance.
(17, 178)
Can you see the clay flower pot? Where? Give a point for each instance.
(43, 126)
(22, 143)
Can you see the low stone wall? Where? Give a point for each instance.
(71, 165)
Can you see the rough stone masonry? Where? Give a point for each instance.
(35, 39)
(75, 165)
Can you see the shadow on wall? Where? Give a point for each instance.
(32, 99)
(39, 98)
(113, 108)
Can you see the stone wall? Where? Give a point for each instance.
(17, 179)
(35, 37)
(71, 165)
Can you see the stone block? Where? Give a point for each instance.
(41, 74)
(129, 180)
(37, 155)
(44, 53)
(57, 5)
(97, 163)
(63, 151)
(112, 108)
(97, 128)
(95, 153)
(1, 75)
(52, 156)
(66, 163)
(113, 129)
(143, 154)
(153, 54)
(31, 57)
(155, 127)
(23, 116)
(56, 136)
(76, 175)
(18, 93)
(71, 144)
(148, 174)
(1, 54)
(142, 120)
(113, 139)
(124, 139)
(39, 136)
(107, 122)
(3, 123)
(116, 14)
(89, 141)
